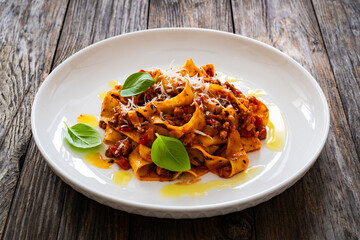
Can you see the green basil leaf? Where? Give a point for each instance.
(82, 135)
(170, 153)
(136, 83)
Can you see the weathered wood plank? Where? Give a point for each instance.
(326, 202)
(232, 226)
(108, 18)
(33, 214)
(339, 23)
(204, 14)
(83, 218)
(28, 36)
(44, 206)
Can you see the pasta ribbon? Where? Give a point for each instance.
(250, 143)
(145, 153)
(112, 136)
(212, 162)
(192, 69)
(236, 154)
(141, 167)
(184, 98)
(108, 106)
(197, 121)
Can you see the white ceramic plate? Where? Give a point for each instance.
(72, 89)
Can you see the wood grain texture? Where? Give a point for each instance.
(89, 22)
(34, 213)
(231, 226)
(83, 218)
(28, 36)
(339, 23)
(44, 206)
(326, 202)
(199, 13)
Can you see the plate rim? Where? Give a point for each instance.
(256, 198)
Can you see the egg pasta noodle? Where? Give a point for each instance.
(215, 122)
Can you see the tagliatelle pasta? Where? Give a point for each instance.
(215, 122)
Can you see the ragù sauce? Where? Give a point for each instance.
(201, 189)
(92, 120)
(97, 160)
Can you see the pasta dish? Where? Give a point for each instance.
(215, 122)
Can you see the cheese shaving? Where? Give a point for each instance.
(201, 133)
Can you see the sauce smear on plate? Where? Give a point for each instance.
(102, 95)
(121, 178)
(256, 92)
(201, 189)
(112, 83)
(276, 129)
(92, 120)
(97, 160)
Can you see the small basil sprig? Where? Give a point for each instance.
(82, 135)
(170, 153)
(136, 83)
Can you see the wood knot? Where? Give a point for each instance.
(237, 226)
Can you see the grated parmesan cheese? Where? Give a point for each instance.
(119, 148)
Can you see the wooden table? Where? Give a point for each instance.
(36, 36)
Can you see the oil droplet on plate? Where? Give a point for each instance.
(102, 95)
(121, 178)
(256, 92)
(97, 160)
(112, 83)
(276, 129)
(232, 79)
(92, 120)
(201, 189)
